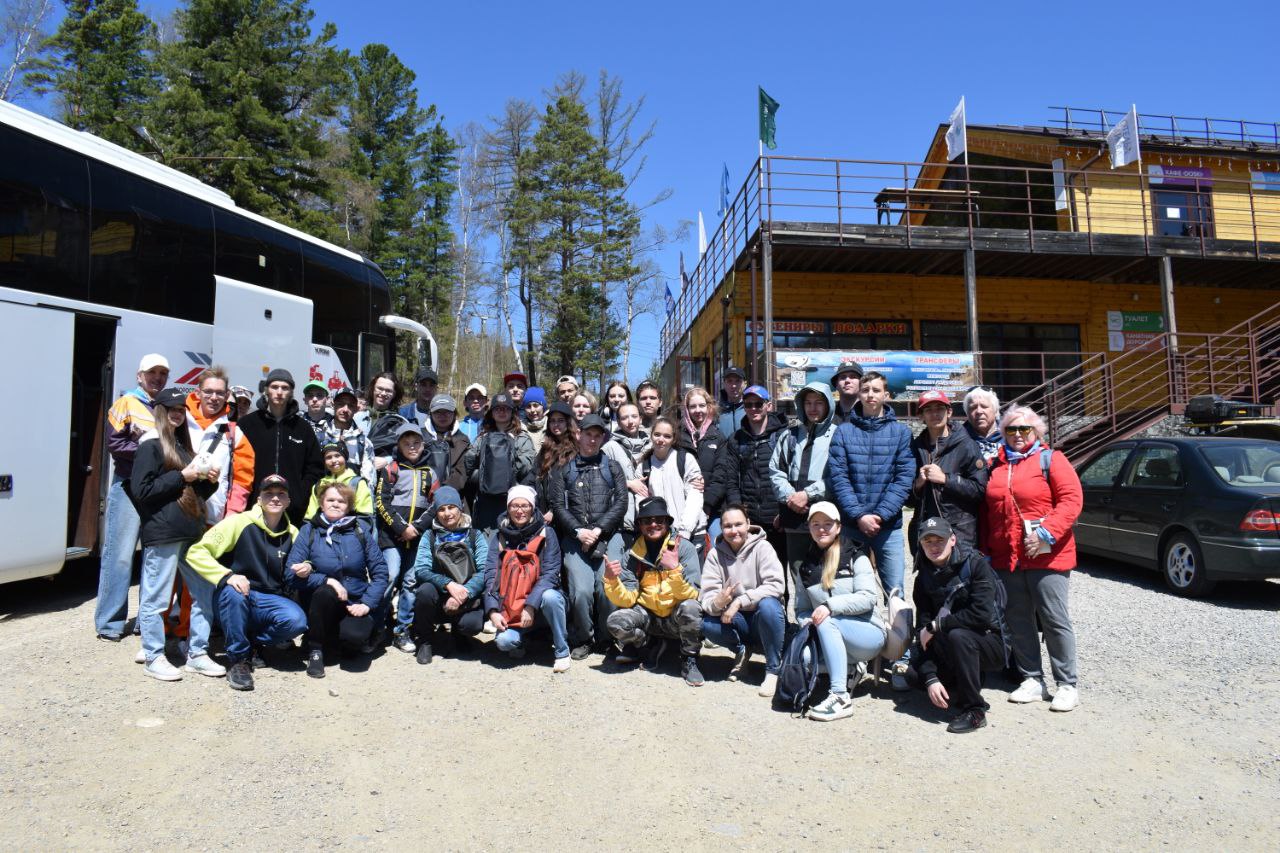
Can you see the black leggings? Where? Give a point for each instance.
(428, 612)
(329, 626)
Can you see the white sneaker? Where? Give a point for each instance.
(1066, 699)
(740, 661)
(204, 665)
(836, 706)
(161, 670)
(141, 656)
(488, 627)
(1031, 690)
(562, 665)
(769, 685)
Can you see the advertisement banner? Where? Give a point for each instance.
(1181, 176)
(908, 373)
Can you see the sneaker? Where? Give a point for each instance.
(969, 721)
(769, 686)
(562, 664)
(315, 663)
(405, 643)
(205, 665)
(240, 676)
(856, 677)
(1066, 699)
(836, 706)
(653, 655)
(424, 654)
(255, 659)
(488, 627)
(1031, 690)
(581, 652)
(740, 659)
(141, 656)
(627, 656)
(898, 681)
(689, 669)
(161, 670)
(110, 638)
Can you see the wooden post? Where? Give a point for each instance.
(971, 297)
(768, 311)
(1167, 301)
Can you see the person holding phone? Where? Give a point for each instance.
(655, 588)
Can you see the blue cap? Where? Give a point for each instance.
(447, 496)
(759, 390)
(535, 395)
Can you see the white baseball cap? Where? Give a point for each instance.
(151, 360)
(476, 386)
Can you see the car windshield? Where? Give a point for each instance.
(1245, 464)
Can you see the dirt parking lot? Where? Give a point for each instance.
(1175, 745)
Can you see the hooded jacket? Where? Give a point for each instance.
(644, 582)
(287, 447)
(730, 415)
(854, 593)
(507, 537)
(870, 468)
(973, 607)
(755, 566)
(359, 449)
(364, 494)
(424, 571)
(459, 444)
(402, 497)
(243, 545)
(800, 459)
(743, 470)
(959, 498)
(229, 450)
(351, 557)
(1017, 491)
(155, 493)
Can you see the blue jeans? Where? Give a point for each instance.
(159, 565)
(257, 619)
(586, 588)
(395, 559)
(762, 627)
(890, 558)
(119, 541)
(551, 613)
(841, 638)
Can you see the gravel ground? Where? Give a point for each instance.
(1174, 745)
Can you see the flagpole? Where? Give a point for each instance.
(1142, 190)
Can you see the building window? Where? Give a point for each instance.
(1016, 357)
(1182, 213)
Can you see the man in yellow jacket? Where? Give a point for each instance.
(655, 588)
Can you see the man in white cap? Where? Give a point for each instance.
(476, 401)
(129, 417)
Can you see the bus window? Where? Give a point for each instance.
(253, 253)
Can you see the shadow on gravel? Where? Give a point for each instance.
(1238, 595)
(76, 584)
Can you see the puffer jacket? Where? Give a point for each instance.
(351, 557)
(854, 592)
(643, 581)
(156, 492)
(708, 450)
(507, 537)
(960, 497)
(287, 447)
(756, 567)
(403, 497)
(744, 470)
(800, 459)
(588, 500)
(870, 468)
(1057, 501)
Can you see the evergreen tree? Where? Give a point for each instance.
(101, 64)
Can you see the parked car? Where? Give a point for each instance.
(1196, 509)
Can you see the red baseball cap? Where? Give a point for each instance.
(933, 397)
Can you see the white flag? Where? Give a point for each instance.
(702, 236)
(957, 139)
(1122, 140)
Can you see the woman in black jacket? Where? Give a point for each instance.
(559, 445)
(951, 474)
(700, 435)
(169, 488)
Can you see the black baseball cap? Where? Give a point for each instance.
(273, 480)
(731, 370)
(589, 421)
(847, 367)
(172, 398)
(425, 374)
(936, 526)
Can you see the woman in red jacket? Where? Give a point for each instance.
(1033, 499)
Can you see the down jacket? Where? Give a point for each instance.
(854, 593)
(647, 584)
(960, 497)
(588, 500)
(870, 469)
(743, 470)
(1018, 491)
(351, 557)
(800, 459)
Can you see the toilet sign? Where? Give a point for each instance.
(1130, 330)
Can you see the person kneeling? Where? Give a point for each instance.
(656, 591)
(244, 557)
(341, 574)
(446, 581)
(956, 598)
(522, 579)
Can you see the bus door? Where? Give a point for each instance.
(33, 467)
(256, 330)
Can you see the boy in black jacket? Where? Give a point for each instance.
(961, 618)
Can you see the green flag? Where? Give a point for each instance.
(768, 120)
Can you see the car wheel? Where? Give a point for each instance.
(1183, 566)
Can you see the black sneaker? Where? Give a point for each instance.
(689, 669)
(581, 652)
(111, 638)
(424, 653)
(967, 722)
(255, 659)
(653, 654)
(315, 664)
(240, 677)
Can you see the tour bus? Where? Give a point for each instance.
(105, 256)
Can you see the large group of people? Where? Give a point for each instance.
(359, 520)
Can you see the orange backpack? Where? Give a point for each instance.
(517, 576)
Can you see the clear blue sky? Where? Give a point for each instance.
(858, 80)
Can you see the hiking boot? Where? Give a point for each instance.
(836, 706)
(969, 721)
(562, 664)
(627, 656)
(161, 670)
(315, 663)
(240, 677)
(205, 665)
(1031, 690)
(405, 643)
(740, 659)
(689, 669)
(1066, 699)
(769, 686)
(581, 652)
(653, 654)
(255, 658)
(424, 654)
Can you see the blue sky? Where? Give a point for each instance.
(857, 80)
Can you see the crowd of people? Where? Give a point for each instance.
(620, 526)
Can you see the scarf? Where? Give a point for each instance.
(695, 433)
(1013, 457)
(347, 521)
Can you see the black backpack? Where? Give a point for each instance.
(647, 465)
(437, 456)
(382, 435)
(1002, 603)
(456, 559)
(796, 677)
(497, 463)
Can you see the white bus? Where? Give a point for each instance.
(105, 256)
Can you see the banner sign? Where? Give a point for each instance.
(1130, 330)
(1180, 176)
(908, 373)
(1265, 181)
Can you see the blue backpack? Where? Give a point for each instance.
(798, 672)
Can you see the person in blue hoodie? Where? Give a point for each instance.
(798, 466)
(338, 569)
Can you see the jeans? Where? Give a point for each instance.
(1041, 592)
(395, 558)
(632, 626)
(550, 613)
(890, 559)
(159, 564)
(586, 588)
(763, 627)
(119, 540)
(841, 638)
(259, 618)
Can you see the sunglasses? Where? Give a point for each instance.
(758, 404)
(1022, 429)
(650, 521)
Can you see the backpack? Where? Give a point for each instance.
(497, 472)
(456, 559)
(798, 672)
(1002, 602)
(681, 453)
(382, 434)
(517, 575)
(571, 471)
(437, 456)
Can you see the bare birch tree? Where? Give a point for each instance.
(22, 33)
